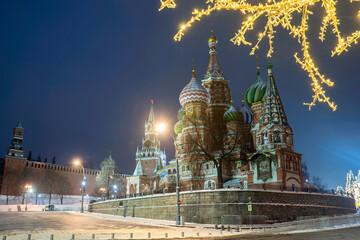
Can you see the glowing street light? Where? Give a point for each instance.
(28, 190)
(83, 183)
(161, 128)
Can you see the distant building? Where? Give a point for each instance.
(16, 172)
(352, 187)
(266, 155)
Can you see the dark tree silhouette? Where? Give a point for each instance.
(227, 146)
(29, 156)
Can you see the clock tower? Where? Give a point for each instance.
(149, 158)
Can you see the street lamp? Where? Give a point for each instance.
(28, 190)
(115, 190)
(160, 128)
(83, 183)
(102, 190)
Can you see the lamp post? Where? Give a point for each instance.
(115, 191)
(161, 128)
(28, 190)
(83, 183)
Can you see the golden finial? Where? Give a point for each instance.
(212, 38)
(231, 101)
(193, 70)
(243, 98)
(257, 63)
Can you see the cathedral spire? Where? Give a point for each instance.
(151, 114)
(273, 110)
(213, 69)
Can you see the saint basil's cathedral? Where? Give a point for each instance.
(265, 156)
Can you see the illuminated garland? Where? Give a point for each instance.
(280, 13)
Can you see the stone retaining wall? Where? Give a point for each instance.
(207, 206)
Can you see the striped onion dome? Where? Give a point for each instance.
(181, 113)
(178, 127)
(233, 114)
(246, 113)
(194, 92)
(256, 92)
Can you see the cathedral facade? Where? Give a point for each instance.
(220, 145)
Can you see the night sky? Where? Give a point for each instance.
(81, 74)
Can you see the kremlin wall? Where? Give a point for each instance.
(16, 172)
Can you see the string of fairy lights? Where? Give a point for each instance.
(280, 13)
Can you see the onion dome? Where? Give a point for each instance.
(246, 113)
(178, 127)
(212, 37)
(256, 92)
(194, 92)
(181, 113)
(233, 115)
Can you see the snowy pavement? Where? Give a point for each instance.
(73, 225)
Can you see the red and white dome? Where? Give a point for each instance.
(194, 92)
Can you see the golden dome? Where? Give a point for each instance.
(212, 37)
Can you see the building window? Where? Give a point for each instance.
(276, 137)
(18, 133)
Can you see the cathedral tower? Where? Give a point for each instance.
(214, 81)
(194, 99)
(274, 131)
(253, 98)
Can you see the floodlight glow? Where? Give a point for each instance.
(160, 127)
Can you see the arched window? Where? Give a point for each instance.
(276, 136)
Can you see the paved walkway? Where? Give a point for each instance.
(41, 225)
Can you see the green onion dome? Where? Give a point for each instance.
(233, 115)
(181, 114)
(256, 92)
(178, 127)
